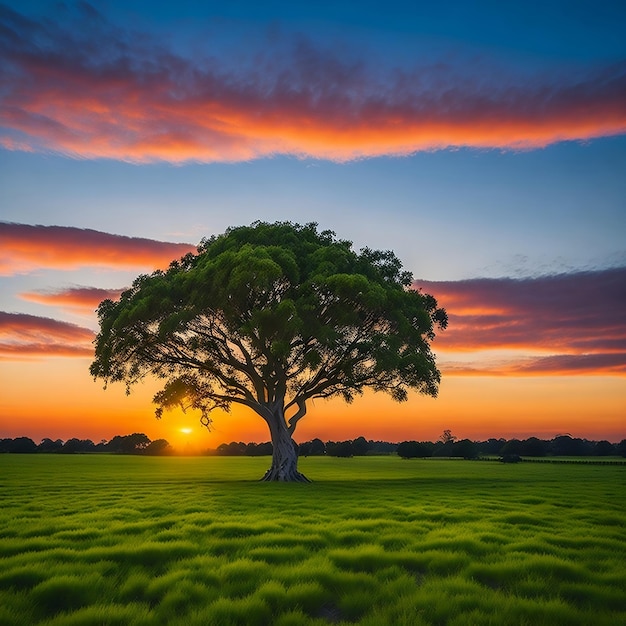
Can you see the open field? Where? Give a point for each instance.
(378, 540)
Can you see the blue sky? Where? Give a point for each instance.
(453, 213)
(449, 215)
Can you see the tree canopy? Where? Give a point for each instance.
(271, 316)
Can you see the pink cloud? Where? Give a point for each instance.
(27, 336)
(554, 365)
(575, 364)
(24, 248)
(96, 91)
(86, 298)
(575, 320)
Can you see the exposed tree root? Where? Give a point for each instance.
(284, 475)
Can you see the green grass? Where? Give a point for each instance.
(101, 540)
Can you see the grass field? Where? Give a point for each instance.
(132, 540)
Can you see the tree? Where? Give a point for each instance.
(48, 445)
(513, 446)
(414, 449)
(272, 316)
(77, 446)
(604, 448)
(158, 447)
(465, 448)
(491, 446)
(565, 445)
(447, 437)
(361, 446)
(128, 444)
(258, 449)
(234, 448)
(23, 445)
(533, 446)
(315, 447)
(343, 449)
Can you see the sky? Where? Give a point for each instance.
(484, 143)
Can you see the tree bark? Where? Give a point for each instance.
(285, 452)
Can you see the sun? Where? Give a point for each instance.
(186, 431)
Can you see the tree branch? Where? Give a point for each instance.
(301, 412)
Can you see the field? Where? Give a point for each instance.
(96, 540)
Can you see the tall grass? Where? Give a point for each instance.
(373, 541)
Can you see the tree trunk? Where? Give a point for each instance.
(285, 452)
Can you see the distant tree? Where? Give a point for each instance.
(414, 450)
(158, 447)
(271, 316)
(128, 444)
(77, 446)
(234, 448)
(513, 446)
(405, 449)
(565, 445)
(511, 458)
(533, 447)
(251, 449)
(621, 448)
(71, 446)
(603, 448)
(315, 447)
(137, 442)
(443, 449)
(429, 446)
(22, 445)
(465, 448)
(48, 445)
(445, 444)
(383, 447)
(114, 445)
(260, 449)
(265, 449)
(447, 437)
(343, 449)
(318, 447)
(562, 445)
(491, 446)
(361, 446)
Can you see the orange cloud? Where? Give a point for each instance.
(554, 365)
(564, 324)
(23, 335)
(24, 248)
(128, 98)
(575, 363)
(85, 298)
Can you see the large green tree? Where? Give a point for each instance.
(271, 316)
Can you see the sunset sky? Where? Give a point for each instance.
(485, 146)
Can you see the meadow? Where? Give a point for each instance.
(98, 539)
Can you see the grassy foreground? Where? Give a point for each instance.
(133, 540)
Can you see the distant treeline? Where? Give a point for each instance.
(446, 446)
(137, 443)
